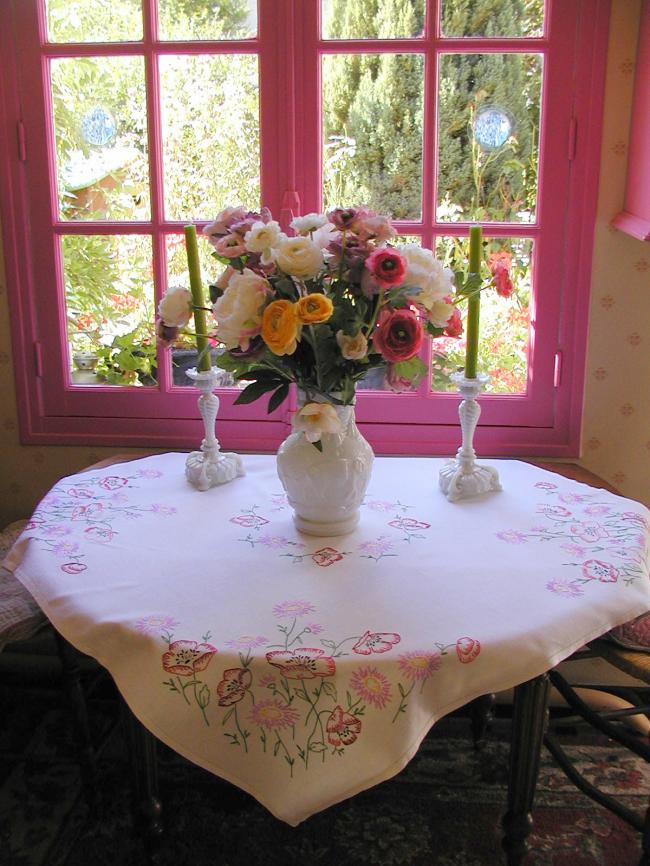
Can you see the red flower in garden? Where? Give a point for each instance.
(376, 642)
(187, 657)
(342, 728)
(467, 648)
(233, 686)
(386, 266)
(398, 335)
(499, 265)
(454, 326)
(302, 664)
(326, 556)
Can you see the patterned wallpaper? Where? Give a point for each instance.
(616, 430)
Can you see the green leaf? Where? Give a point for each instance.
(254, 391)
(278, 397)
(318, 445)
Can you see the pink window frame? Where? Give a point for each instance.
(545, 421)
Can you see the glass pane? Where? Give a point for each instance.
(183, 354)
(372, 132)
(488, 122)
(505, 316)
(487, 18)
(109, 309)
(100, 128)
(207, 19)
(210, 118)
(372, 19)
(94, 20)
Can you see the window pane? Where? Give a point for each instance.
(488, 122)
(183, 354)
(94, 20)
(505, 318)
(372, 19)
(207, 19)
(100, 128)
(109, 309)
(210, 117)
(372, 132)
(487, 18)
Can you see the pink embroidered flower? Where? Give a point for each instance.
(86, 512)
(187, 657)
(79, 493)
(376, 642)
(65, 548)
(565, 588)
(274, 542)
(636, 518)
(379, 546)
(233, 686)
(372, 686)
(546, 485)
(570, 498)
(418, 665)
(342, 728)
(589, 532)
(279, 500)
(165, 510)
(305, 663)
(409, 524)
(73, 567)
(55, 530)
(326, 556)
(293, 608)
(574, 549)
(249, 520)
(594, 510)
(381, 505)
(266, 681)
(553, 510)
(149, 473)
(100, 534)
(596, 569)
(247, 641)
(148, 624)
(314, 628)
(273, 715)
(467, 649)
(512, 536)
(113, 482)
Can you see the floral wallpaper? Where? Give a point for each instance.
(616, 428)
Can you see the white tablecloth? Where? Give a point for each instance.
(305, 670)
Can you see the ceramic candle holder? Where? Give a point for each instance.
(463, 477)
(209, 466)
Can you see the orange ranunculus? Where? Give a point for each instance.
(314, 309)
(280, 327)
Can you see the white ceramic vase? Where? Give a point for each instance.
(325, 489)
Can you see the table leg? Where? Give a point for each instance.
(528, 723)
(144, 774)
(481, 713)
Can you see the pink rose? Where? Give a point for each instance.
(224, 222)
(343, 218)
(231, 246)
(386, 266)
(398, 335)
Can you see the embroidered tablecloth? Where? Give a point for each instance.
(304, 669)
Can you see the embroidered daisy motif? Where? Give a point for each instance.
(148, 624)
(372, 686)
(273, 715)
(247, 641)
(418, 665)
(293, 608)
(564, 587)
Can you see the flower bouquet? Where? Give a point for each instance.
(319, 309)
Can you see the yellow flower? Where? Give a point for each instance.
(314, 309)
(314, 419)
(280, 327)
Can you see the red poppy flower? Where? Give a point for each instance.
(467, 648)
(342, 728)
(187, 657)
(233, 686)
(326, 556)
(302, 664)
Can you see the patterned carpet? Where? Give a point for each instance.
(443, 810)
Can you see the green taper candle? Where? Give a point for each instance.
(473, 304)
(198, 298)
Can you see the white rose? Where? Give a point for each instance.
(308, 223)
(440, 312)
(239, 310)
(175, 308)
(314, 419)
(426, 273)
(262, 238)
(352, 348)
(299, 257)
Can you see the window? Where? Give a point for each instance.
(134, 117)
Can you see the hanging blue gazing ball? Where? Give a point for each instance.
(98, 126)
(492, 127)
